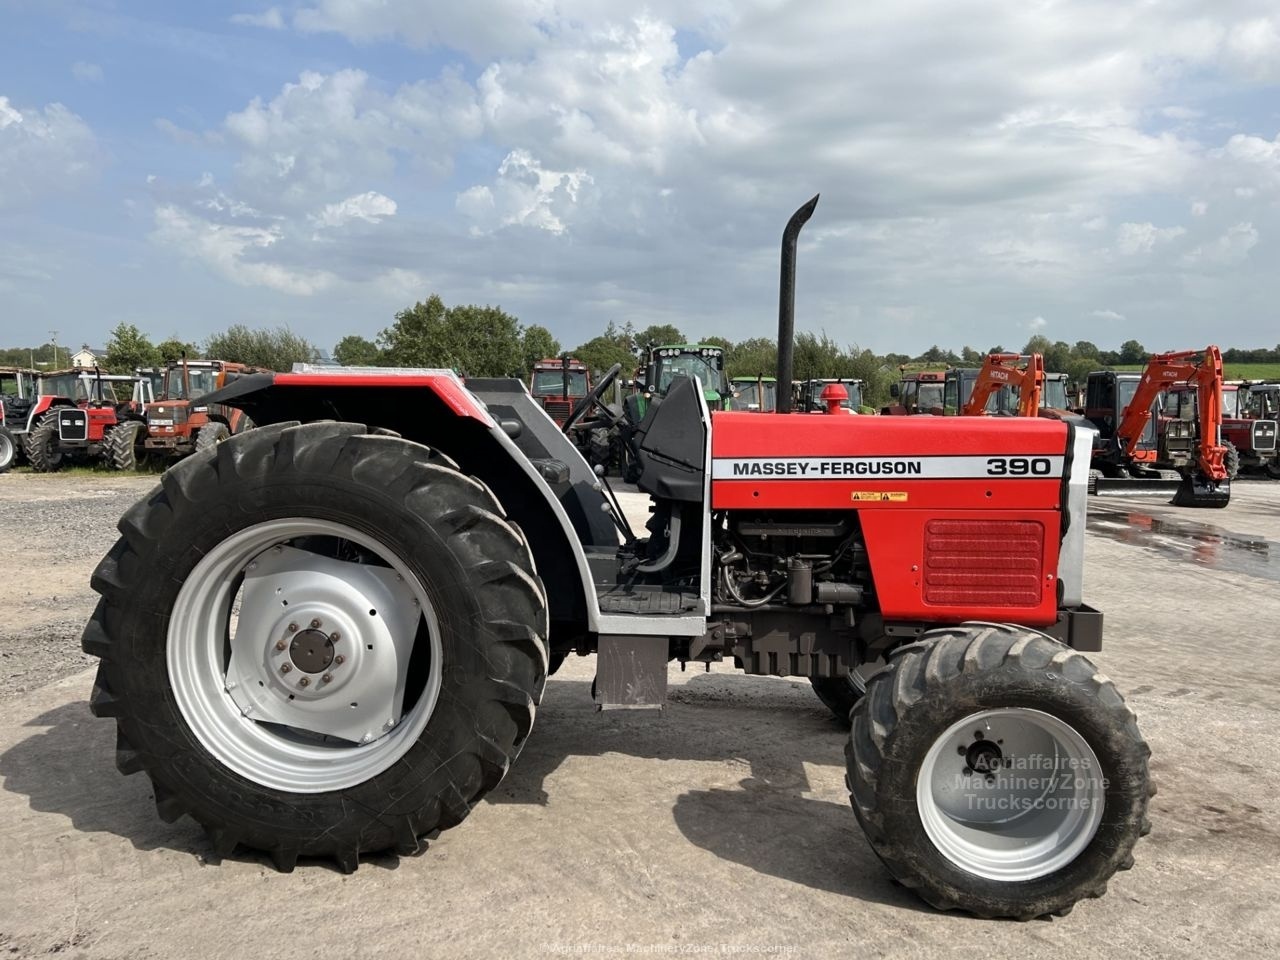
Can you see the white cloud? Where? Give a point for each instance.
(1036, 324)
(1231, 247)
(1136, 238)
(370, 207)
(86, 72)
(524, 194)
(230, 249)
(270, 19)
(1108, 315)
(328, 132)
(1199, 208)
(42, 151)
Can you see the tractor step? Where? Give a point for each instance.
(631, 673)
(647, 600)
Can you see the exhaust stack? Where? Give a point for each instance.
(787, 302)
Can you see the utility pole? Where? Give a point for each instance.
(54, 335)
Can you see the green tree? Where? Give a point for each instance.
(537, 343)
(613, 346)
(818, 356)
(277, 349)
(175, 349)
(1131, 351)
(1038, 344)
(476, 341)
(129, 348)
(659, 334)
(356, 351)
(1085, 350)
(757, 357)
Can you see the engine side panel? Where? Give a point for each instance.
(961, 520)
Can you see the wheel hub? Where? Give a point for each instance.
(322, 645)
(312, 651)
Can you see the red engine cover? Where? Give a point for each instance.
(961, 516)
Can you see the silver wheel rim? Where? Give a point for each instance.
(226, 660)
(1031, 806)
(6, 450)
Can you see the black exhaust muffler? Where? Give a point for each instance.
(787, 302)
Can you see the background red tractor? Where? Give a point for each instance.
(79, 413)
(182, 421)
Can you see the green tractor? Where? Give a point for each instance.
(702, 362)
(757, 394)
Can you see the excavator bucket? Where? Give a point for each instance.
(1198, 492)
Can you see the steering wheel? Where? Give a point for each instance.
(592, 399)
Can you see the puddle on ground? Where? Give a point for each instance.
(1187, 540)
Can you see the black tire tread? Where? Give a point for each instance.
(120, 450)
(38, 442)
(919, 667)
(469, 520)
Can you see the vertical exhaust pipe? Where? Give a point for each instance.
(787, 302)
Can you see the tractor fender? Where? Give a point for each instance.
(434, 408)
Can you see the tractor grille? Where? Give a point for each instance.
(73, 425)
(558, 410)
(994, 563)
(1264, 436)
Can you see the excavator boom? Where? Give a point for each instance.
(1000, 370)
(1205, 483)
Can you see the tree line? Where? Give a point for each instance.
(486, 341)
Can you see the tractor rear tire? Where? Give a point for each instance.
(468, 654)
(210, 435)
(1231, 460)
(8, 449)
(995, 770)
(120, 450)
(43, 450)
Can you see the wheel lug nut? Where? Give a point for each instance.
(280, 644)
(293, 628)
(304, 682)
(339, 659)
(314, 624)
(327, 678)
(285, 667)
(335, 636)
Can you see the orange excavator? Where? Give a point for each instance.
(1135, 450)
(1022, 374)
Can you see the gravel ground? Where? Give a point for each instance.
(723, 828)
(55, 529)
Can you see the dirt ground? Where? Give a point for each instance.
(721, 829)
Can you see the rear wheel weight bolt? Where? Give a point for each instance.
(293, 628)
(304, 682)
(315, 623)
(339, 659)
(285, 667)
(335, 636)
(328, 677)
(280, 644)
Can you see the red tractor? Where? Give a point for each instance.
(329, 636)
(558, 385)
(183, 421)
(918, 391)
(79, 414)
(1250, 442)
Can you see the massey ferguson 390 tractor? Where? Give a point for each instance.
(329, 635)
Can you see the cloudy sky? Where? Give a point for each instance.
(989, 169)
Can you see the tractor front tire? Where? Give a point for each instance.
(363, 575)
(1272, 467)
(8, 449)
(120, 450)
(1231, 460)
(995, 770)
(43, 451)
(210, 435)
